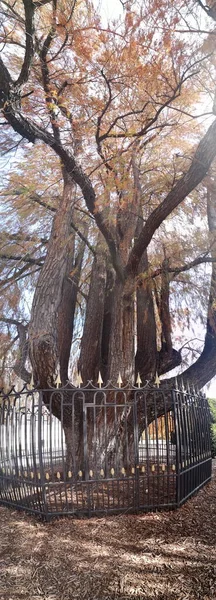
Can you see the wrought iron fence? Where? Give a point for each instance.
(94, 450)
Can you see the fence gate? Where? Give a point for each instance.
(102, 450)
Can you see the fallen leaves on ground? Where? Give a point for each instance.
(154, 556)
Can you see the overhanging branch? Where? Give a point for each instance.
(32, 132)
(203, 157)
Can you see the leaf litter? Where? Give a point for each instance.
(153, 556)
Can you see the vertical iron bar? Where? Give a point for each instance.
(40, 453)
(178, 444)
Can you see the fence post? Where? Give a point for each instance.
(178, 471)
(136, 453)
(41, 469)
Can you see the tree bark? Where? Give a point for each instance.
(146, 355)
(121, 350)
(202, 371)
(90, 353)
(66, 311)
(43, 328)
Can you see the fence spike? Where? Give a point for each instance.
(182, 386)
(197, 390)
(100, 380)
(31, 385)
(188, 388)
(193, 390)
(139, 380)
(58, 381)
(79, 380)
(119, 380)
(157, 380)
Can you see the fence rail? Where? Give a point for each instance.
(85, 451)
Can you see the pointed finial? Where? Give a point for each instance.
(176, 383)
(119, 380)
(182, 386)
(58, 381)
(100, 380)
(157, 380)
(79, 380)
(31, 384)
(198, 391)
(139, 380)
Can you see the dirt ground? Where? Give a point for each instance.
(160, 556)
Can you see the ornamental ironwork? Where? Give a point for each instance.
(94, 450)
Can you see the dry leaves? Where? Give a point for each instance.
(155, 556)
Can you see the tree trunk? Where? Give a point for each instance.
(121, 349)
(90, 354)
(43, 329)
(146, 355)
(107, 318)
(67, 307)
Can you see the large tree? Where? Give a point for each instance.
(116, 145)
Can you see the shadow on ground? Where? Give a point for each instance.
(155, 556)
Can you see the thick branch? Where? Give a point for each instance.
(210, 10)
(22, 355)
(31, 131)
(25, 259)
(198, 169)
(29, 45)
(204, 369)
(50, 98)
(177, 270)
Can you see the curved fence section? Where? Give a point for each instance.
(85, 451)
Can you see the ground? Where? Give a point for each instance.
(155, 556)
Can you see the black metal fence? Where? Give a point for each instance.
(92, 450)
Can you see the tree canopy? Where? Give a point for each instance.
(108, 191)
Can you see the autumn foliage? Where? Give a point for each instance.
(108, 189)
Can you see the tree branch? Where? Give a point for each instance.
(29, 46)
(32, 132)
(25, 259)
(140, 133)
(209, 10)
(51, 99)
(177, 270)
(204, 368)
(203, 157)
(19, 367)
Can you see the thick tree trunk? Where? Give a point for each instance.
(90, 355)
(146, 355)
(107, 319)
(121, 350)
(43, 329)
(67, 307)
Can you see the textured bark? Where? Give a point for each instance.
(121, 350)
(203, 157)
(43, 329)
(164, 308)
(146, 354)
(90, 354)
(204, 368)
(66, 310)
(107, 318)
